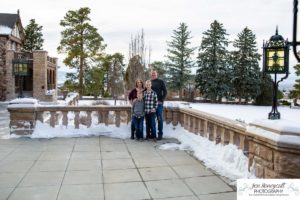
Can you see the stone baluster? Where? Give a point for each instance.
(215, 134)
(100, 117)
(65, 118)
(77, 119)
(40, 116)
(242, 142)
(128, 116)
(231, 135)
(195, 129)
(205, 129)
(57, 118)
(222, 135)
(200, 128)
(89, 119)
(189, 123)
(52, 118)
(181, 119)
(118, 118)
(175, 117)
(105, 117)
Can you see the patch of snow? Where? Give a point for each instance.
(286, 139)
(282, 125)
(228, 160)
(5, 30)
(23, 103)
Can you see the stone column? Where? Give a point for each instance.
(10, 78)
(39, 74)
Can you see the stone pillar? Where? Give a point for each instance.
(10, 78)
(39, 74)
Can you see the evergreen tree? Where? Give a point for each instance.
(297, 85)
(93, 78)
(179, 58)
(245, 67)
(213, 74)
(33, 37)
(80, 42)
(266, 90)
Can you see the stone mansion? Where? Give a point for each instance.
(24, 74)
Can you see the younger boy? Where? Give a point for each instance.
(138, 116)
(150, 100)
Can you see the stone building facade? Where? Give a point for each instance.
(41, 80)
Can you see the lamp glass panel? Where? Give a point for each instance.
(275, 59)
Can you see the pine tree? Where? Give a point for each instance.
(213, 74)
(33, 37)
(245, 65)
(266, 90)
(296, 90)
(179, 58)
(80, 42)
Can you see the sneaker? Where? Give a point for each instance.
(159, 137)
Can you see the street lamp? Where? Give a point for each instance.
(276, 58)
(276, 61)
(20, 69)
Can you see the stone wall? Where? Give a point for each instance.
(275, 156)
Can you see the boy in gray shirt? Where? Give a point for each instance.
(138, 116)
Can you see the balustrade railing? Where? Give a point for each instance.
(213, 127)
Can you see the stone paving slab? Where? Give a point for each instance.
(104, 168)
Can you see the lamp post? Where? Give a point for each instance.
(276, 61)
(276, 58)
(20, 69)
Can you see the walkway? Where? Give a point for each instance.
(103, 168)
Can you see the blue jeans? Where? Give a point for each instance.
(159, 116)
(150, 125)
(138, 125)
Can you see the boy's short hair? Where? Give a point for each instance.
(148, 81)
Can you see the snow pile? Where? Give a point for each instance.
(71, 96)
(5, 30)
(23, 102)
(228, 160)
(44, 130)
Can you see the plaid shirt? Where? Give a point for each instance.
(150, 100)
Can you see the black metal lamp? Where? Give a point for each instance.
(20, 69)
(276, 61)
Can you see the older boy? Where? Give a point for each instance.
(150, 100)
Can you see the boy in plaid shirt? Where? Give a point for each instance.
(150, 100)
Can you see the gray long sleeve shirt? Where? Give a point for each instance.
(138, 108)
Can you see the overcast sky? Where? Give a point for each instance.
(117, 20)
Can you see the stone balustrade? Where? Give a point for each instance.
(213, 127)
(272, 153)
(23, 120)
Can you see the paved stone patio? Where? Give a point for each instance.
(102, 168)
